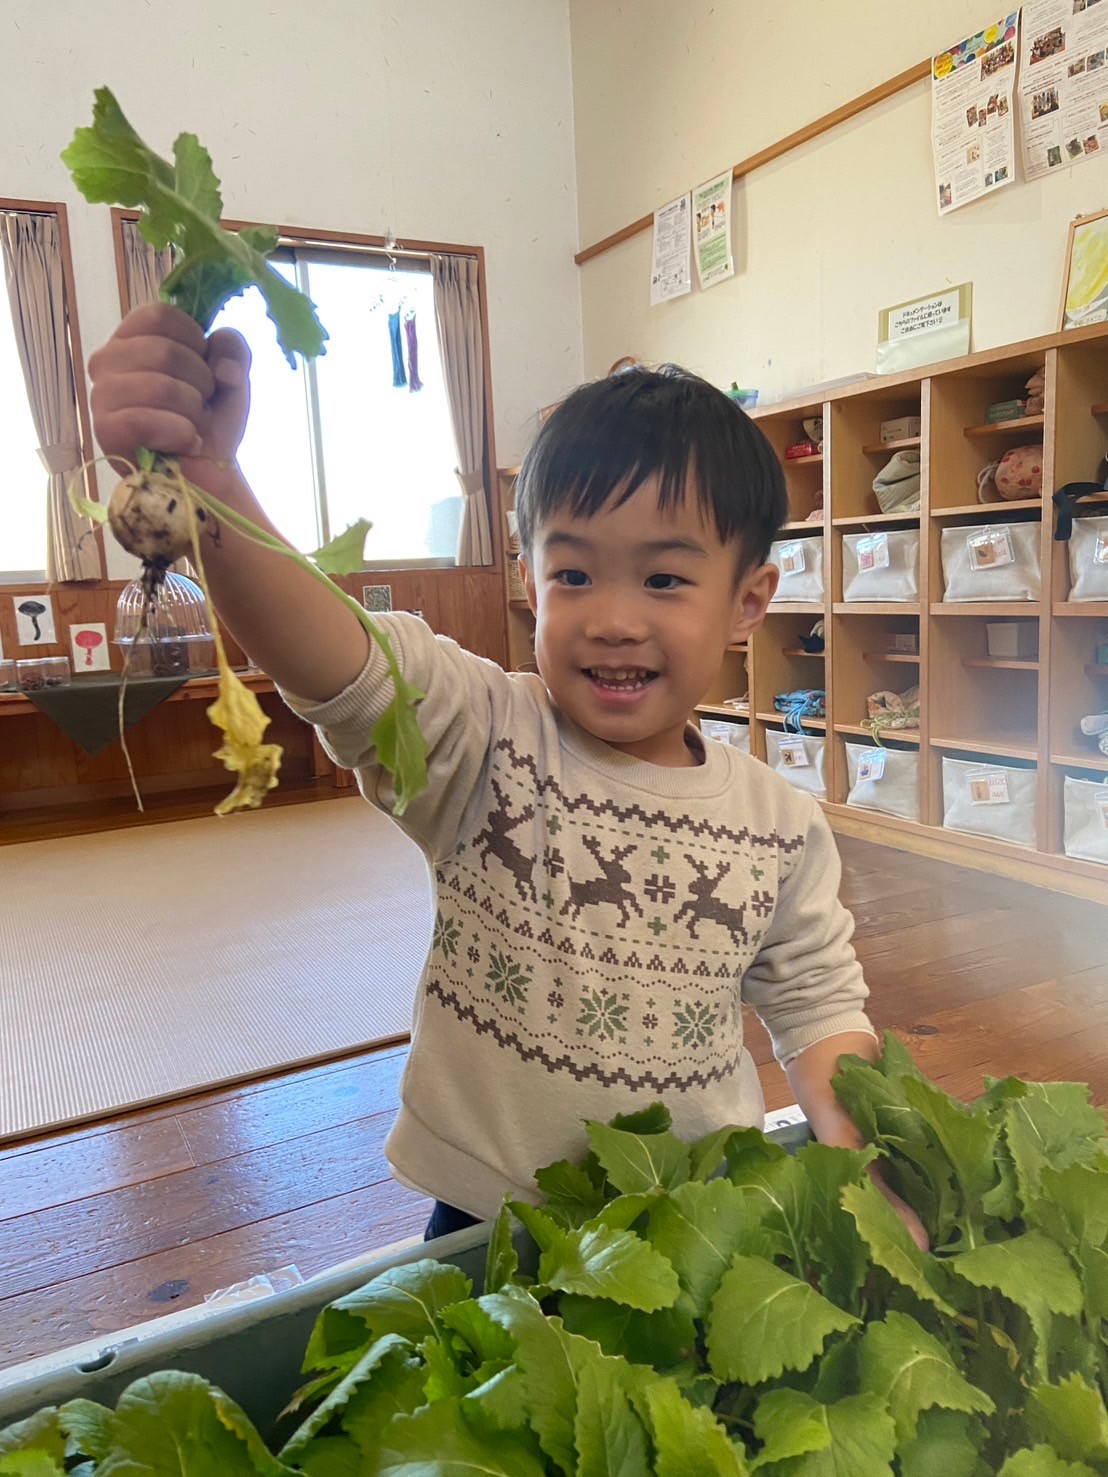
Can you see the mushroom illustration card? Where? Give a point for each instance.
(34, 620)
(90, 648)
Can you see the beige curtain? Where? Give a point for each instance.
(458, 324)
(144, 268)
(36, 290)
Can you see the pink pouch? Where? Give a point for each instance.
(1020, 473)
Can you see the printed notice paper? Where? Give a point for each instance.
(972, 133)
(670, 274)
(1063, 83)
(925, 330)
(712, 229)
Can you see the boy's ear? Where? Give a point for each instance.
(756, 589)
(527, 575)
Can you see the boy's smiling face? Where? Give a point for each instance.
(634, 609)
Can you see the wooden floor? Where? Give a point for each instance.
(122, 1221)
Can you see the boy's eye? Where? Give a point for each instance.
(572, 577)
(664, 582)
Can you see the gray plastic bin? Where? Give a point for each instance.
(252, 1352)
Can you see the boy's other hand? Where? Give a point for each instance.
(160, 383)
(916, 1228)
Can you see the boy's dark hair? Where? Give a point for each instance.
(609, 436)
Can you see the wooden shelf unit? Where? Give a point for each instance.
(1022, 710)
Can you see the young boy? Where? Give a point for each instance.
(611, 888)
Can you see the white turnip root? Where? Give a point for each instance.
(149, 516)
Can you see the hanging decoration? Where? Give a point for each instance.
(414, 381)
(398, 377)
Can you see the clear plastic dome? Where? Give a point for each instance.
(178, 636)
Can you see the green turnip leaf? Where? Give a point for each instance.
(182, 204)
(762, 1322)
(904, 1365)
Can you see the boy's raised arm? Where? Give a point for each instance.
(160, 383)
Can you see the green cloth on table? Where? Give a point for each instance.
(88, 709)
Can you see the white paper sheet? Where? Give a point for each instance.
(1063, 90)
(712, 230)
(670, 273)
(972, 100)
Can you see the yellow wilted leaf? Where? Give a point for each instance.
(239, 714)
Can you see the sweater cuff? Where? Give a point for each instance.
(797, 1037)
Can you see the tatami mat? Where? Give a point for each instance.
(144, 963)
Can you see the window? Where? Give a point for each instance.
(335, 440)
(22, 475)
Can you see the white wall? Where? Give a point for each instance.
(446, 122)
(666, 95)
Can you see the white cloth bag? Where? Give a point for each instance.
(799, 758)
(1089, 559)
(881, 566)
(1085, 834)
(800, 561)
(895, 791)
(990, 800)
(992, 561)
(735, 735)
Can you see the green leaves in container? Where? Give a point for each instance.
(764, 1321)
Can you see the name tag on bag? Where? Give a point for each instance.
(992, 550)
(987, 787)
(792, 559)
(871, 766)
(873, 552)
(793, 754)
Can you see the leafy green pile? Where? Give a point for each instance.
(181, 205)
(715, 1308)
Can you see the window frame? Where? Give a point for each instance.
(353, 243)
(57, 209)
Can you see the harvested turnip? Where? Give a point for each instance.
(149, 515)
(155, 513)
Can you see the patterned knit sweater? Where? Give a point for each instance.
(600, 923)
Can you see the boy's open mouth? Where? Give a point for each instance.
(620, 679)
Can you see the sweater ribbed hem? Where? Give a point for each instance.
(424, 1162)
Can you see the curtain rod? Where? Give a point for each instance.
(776, 151)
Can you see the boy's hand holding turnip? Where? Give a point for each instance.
(160, 382)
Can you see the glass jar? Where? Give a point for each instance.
(177, 639)
(29, 674)
(7, 675)
(55, 671)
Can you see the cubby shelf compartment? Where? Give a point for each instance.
(803, 527)
(1097, 609)
(721, 710)
(1081, 761)
(795, 607)
(865, 519)
(804, 461)
(1003, 746)
(988, 510)
(739, 646)
(876, 448)
(1101, 409)
(1001, 428)
(888, 735)
(799, 651)
(805, 723)
(1029, 609)
(908, 658)
(876, 607)
(1002, 663)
